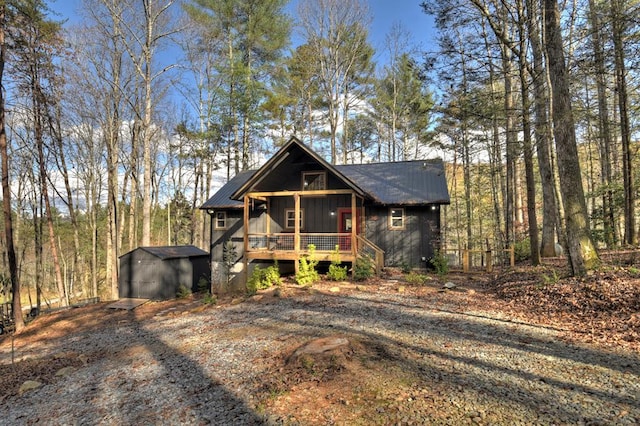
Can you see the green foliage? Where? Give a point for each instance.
(229, 257)
(363, 268)
(634, 271)
(262, 278)
(307, 273)
(203, 284)
(209, 299)
(416, 278)
(405, 267)
(522, 250)
(183, 292)
(440, 263)
(337, 272)
(180, 214)
(552, 279)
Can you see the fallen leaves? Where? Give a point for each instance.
(602, 307)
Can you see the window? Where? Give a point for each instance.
(290, 218)
(396, 218)
(314, 181)
(220, 220)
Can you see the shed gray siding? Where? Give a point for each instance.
(145, 275)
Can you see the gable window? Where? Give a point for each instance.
(220, 220)
(290, 218)
(314, 181)
(396, 218)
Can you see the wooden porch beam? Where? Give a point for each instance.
(314, 193)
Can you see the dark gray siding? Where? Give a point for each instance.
(145, 276)
(417, 241)
(235, 233)
(317, 212)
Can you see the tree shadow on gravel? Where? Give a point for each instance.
(139, 379)
(195, 392)
(453, 353)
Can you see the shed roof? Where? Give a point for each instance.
(173, 252)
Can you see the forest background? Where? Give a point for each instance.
(118, 126)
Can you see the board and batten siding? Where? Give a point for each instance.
(146, 276)
(317, 212)
(409, 246)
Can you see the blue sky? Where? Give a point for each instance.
(385, 14)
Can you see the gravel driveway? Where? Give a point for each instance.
(415, 357)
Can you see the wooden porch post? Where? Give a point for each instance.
(245, 239)
(296, 231)
(268, 226)
(354, 225)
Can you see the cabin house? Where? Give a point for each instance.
(388, 211)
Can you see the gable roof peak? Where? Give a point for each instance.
(280, 156)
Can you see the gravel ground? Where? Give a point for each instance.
(415, 357)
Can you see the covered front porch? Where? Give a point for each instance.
(340, 209)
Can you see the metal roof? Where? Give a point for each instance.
(222, 198)
(404, 182)
(417, 182)
(174, 252)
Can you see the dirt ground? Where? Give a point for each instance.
(602, 310)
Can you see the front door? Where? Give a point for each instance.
(345, 226)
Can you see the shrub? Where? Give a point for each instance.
(363, 268)
(307, 273)
(229, 258)
(405, 266)
(416, 278)
(203, 284)
(440, 263)
(522, 250)
(183, 292)
(262, 278)
(209, 299)
(337, 272)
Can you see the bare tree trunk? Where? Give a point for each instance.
(542, 133)
(6, 189)
(617, 21)
(37, 105)
(581, 250)
(526, 141)
(511, 146)
(56, 132)
(604, 127)
(146, 125)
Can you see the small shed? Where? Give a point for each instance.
(159, 272)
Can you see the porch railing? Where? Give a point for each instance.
(367, 248)
(324, 243)
(286, 242)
